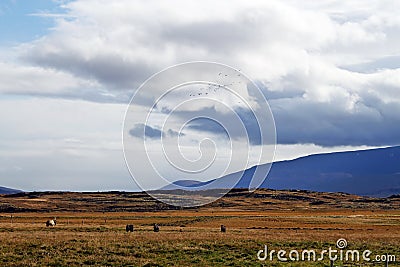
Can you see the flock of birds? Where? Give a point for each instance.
(214, 87)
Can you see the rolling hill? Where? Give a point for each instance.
(374, 172)
(7, 191)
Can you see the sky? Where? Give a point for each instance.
(330, 71)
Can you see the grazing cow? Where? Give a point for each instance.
(51, 222)
(129, 227)
(156, 228)
(223, 228)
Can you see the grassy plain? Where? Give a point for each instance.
(90, 229)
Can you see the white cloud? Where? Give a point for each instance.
(26, 80)
(330, 69)
(120, 44)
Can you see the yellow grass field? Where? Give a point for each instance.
(288, 220)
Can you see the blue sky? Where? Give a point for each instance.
(20, 20)
(69, 69)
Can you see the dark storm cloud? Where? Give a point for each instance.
(218, 123)
(150, 132)
(207, 125)
(370, 121)
(292, 90)
(109, 69)
(301, 121)
(173, 133)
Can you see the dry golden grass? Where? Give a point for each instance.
(191, 237)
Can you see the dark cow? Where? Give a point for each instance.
(129, 228)
(223, 228)
(156, 228)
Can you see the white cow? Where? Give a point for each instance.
(51, 222)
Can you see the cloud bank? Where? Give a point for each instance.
(329, 70)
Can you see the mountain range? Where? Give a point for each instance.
(7, 191)
(374, 172)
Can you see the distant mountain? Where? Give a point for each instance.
(191, 183)
(374, 172)
(7, 191)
